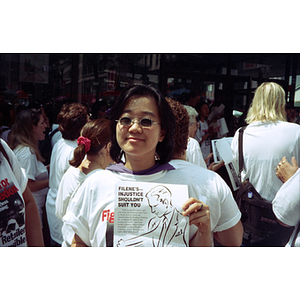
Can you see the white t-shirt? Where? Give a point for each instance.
(35, 170)
(286, 205)
(91, 212)
(224, 212)
(59, 164)
(56, 136)
(12, 206)
(194, 153)
(264, 146)
(69, 184)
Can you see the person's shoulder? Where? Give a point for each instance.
(7, 149)
(64, 147)
(73, 172)
(193, 143)
(294, 125)
(186, 166)
(68, 143)
(99, 182)
(101, 176)
(58, 144)
(23, 151)
(5, 145)
(289, 127)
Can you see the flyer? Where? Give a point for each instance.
(222, 151)
(219, 110)
(150, 215)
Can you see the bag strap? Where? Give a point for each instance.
(240, 144)
(53, 132)
(4, 153)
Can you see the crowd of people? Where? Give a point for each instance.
(59, 175)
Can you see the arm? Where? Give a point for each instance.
(201, 240)
(77, 242)
(208, 157)
(206, 136)
(282, 224)
(210, 132)
(284, 172)
(32, 221)
(216, 166)
(199, 215)
(231, 237)
(36, 185)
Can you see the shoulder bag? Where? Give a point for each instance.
(261, 227)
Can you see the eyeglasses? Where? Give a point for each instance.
(145, 122)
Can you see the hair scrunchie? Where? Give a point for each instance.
(84, 141)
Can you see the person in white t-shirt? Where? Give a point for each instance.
(266, 139)
(204, 131)
(286, 204)
(71, 119)
(193, 151)
(91, 153)
(225, 216)
(142, 128)
(29, 128)
(20, 225)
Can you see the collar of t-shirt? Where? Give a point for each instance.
(119, 167)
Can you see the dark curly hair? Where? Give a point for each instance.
(182, 127)
(71, 119)
(164, 149)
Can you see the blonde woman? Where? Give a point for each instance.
(267, 138)
(28, 129)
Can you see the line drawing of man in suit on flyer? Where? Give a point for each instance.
(168, 226)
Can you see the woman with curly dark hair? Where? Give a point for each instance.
(71, 119)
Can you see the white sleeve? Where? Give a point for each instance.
(16, 168)
(230, 213)
(196, 157)
(286, 204)
(62, 198)
(77, 214)
(28, 161)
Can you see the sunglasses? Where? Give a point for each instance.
(145, 122)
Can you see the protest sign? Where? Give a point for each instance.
(150, 215)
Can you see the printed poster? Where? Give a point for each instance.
(150, 215)
(12, 215)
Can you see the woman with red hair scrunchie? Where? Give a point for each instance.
(84, 141)
(91, 153)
